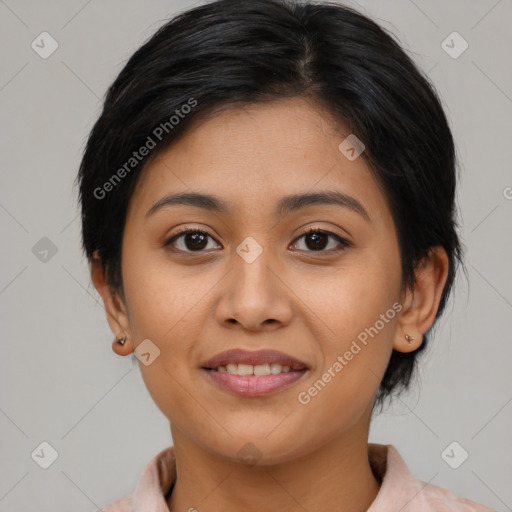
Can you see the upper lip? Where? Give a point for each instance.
(241, 356)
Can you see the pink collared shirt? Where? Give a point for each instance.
(399, 490)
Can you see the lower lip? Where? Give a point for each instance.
(254, 385)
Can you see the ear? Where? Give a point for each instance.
(420, 304)
(115, 308)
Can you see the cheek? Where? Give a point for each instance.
(168, 304)
(347, 299)
(160, 294)
(354, 361)
(356, 311)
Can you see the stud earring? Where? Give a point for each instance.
(121, 341)
(409, 339)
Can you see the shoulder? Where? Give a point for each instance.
(441, 500)
(400, 489)
(155, 481)
(121, 505)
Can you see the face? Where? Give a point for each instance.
(248, 276)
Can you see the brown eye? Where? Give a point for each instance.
(317, 240)
(190, 240)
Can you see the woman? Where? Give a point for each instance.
(268, 210)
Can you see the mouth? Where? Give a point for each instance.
(254, 373)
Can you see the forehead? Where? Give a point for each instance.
(252, 156)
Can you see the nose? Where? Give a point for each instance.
(254, 295)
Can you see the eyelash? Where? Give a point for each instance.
(344, 243)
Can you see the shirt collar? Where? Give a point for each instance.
(156, 481)
(399, 487)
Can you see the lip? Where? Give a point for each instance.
(242, 356)
(254, 385)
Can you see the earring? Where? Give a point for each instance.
(409, 339)
(121, 341)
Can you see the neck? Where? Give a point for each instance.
(336, 476)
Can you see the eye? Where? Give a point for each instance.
(189, 240)
(196, 240)
(316, 240)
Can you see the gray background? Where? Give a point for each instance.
(59, 380)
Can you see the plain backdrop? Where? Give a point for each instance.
(60, 382)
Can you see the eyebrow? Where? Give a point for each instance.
(284, 206)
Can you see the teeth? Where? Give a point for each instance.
(232, 368)
(249, 369)
(262, 369)
(245, 369)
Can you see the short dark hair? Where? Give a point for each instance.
(235, 52)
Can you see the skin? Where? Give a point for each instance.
(307, 303)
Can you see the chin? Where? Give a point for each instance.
(258, 450)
